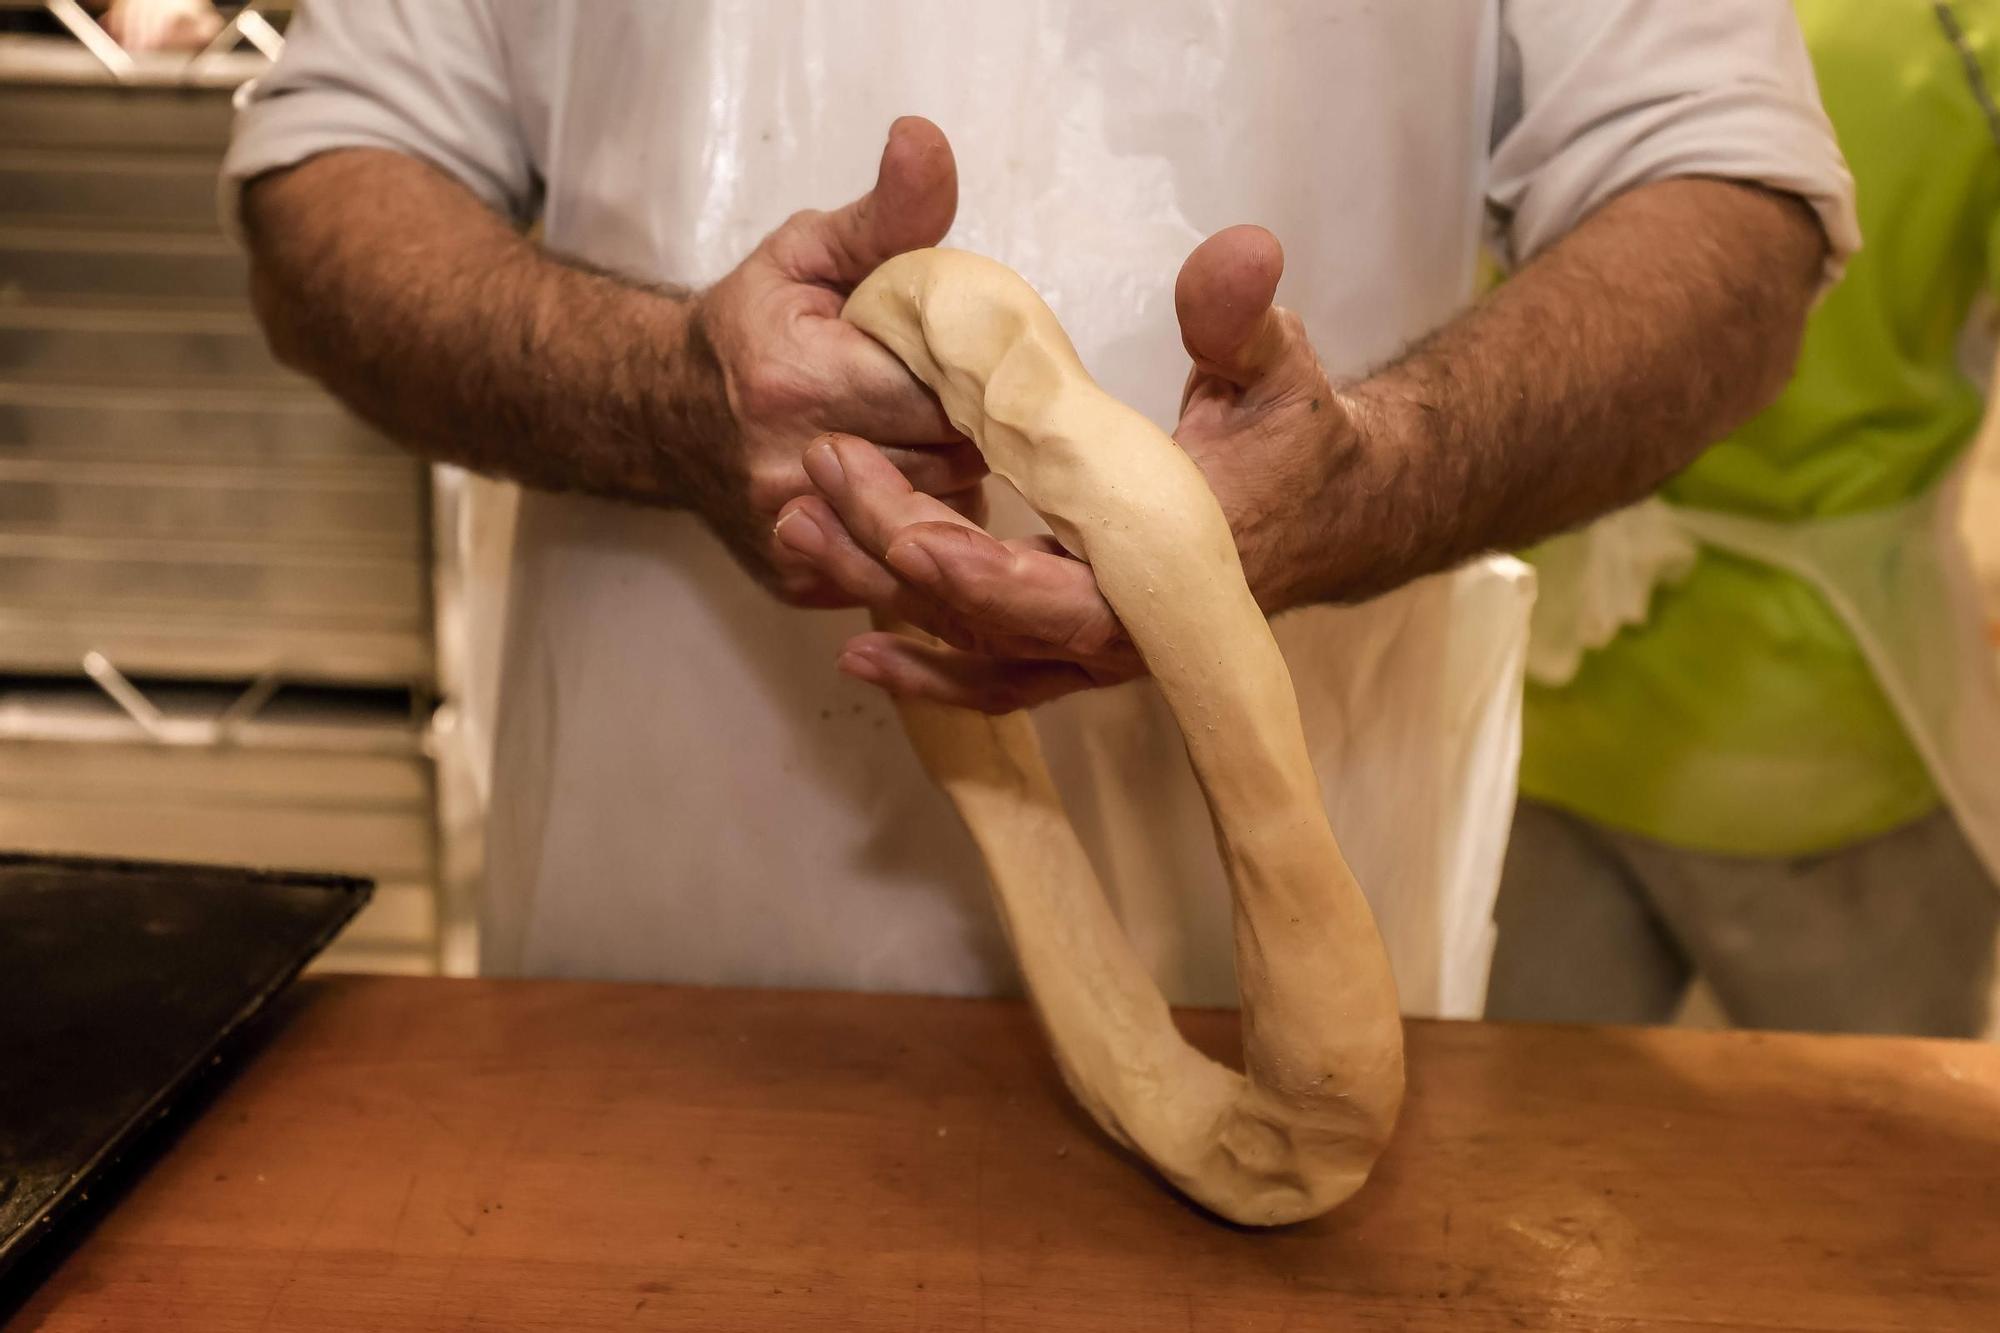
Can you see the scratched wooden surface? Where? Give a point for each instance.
(438, 1155)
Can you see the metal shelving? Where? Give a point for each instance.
(193, 518)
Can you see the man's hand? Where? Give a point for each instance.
(432, 317)
(1023, 622)
(792, 368)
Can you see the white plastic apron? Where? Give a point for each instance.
(1898, 578)
(686, 790)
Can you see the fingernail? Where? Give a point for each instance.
(861, 668)
(796, 529)
(823, 466)
(914, 563)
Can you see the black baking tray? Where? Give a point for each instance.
(120, 981)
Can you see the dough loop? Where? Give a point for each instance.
(1297, 1132)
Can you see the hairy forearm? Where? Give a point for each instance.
(1662, 322)
(437, 322)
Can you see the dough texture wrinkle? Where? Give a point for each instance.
(1297, 1131)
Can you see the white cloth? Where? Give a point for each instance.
(1592, 583)
(684, 789)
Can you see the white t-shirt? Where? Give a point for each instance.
(684, 789)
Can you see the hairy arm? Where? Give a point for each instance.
(433, 318)
(1662, 322)
(457, 336)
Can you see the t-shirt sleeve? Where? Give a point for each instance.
(423, 77)
(1598, 98)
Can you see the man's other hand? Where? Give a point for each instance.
(792, 369)
(1024, 621)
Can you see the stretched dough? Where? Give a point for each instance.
(1322, 1041)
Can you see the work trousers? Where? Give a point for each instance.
(1897, 933)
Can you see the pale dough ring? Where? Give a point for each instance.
(1322, 1041)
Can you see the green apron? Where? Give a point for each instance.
(1743, 709)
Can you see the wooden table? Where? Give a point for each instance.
(436, 1155)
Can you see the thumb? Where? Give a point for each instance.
(1224, 300)
(911, 206)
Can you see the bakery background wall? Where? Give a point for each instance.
(234, 622)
